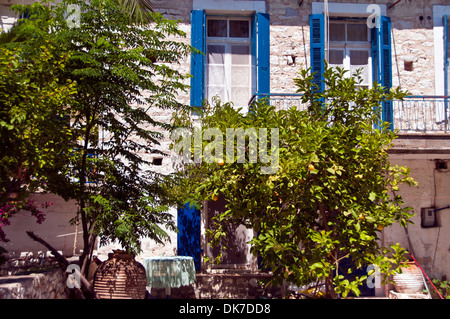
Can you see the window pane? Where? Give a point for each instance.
(336, 57)
(359, 60)
(240, 96)
(337, 32)
(219, 91)
(216, 54)
(216, 75)
(240, 76)
(239, 29)
(357, 32)
(240, 54)
(364, 72)
(358, 57)
(217, 28)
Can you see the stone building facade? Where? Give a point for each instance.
(417, 50)
(417, 45)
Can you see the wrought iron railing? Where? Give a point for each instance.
(282, 101)
(427, 114)
(413, 114)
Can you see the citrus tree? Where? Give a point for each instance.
(331, 194)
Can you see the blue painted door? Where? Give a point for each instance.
(188, 238)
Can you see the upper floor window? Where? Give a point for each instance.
(352, 45)
(350, 48)
(236, 63)
(228, 60)
(441, 22)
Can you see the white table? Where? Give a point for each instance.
(169, 271)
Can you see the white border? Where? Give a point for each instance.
(347, 9)
(438, 32)
(224, 6)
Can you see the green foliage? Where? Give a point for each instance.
(333, 191)
(122, 70)
(32, 102)
(442, 286)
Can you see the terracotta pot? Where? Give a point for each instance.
(120, 277)
(410, 281)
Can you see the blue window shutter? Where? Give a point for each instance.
(254, 52)
(382, 63)
(375, 34)
(260, 53)
(198, 60)
(386, 67)
(385, 47)
(263, 53)
(317, 48)
(188, 236)
(188, 218)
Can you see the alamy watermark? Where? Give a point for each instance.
(74, 18)
(373, 21)
(73, 279)
(374, 279)
(240, 144)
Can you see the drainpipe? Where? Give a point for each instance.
(445, 70)
(423, 272)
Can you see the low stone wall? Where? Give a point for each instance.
(222, 286)
(26, 265)
(45, 285)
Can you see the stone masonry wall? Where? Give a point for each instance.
(412, 40)
(45, 285)
(223, 286)
(412, 43)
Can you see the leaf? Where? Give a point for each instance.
(316, 265)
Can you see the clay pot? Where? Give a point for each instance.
(410, 281)
(120, 277)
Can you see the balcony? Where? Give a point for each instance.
(414, 115)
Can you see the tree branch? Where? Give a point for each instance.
(64, 263)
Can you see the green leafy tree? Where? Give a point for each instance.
(122, 70)
(331, 195)
(138, 10)
(32, 103)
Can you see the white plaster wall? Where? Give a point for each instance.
(55, 229)
(430, 246)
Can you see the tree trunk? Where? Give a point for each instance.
(329, 287)
(64, 263)
(84, 258)
(86, 261)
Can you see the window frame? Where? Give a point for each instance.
(348, 46)
(381, 45)
(228, 42)
(439, 12)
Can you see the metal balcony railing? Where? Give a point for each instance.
(282, 101)
(413, 114)
(421, 114)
